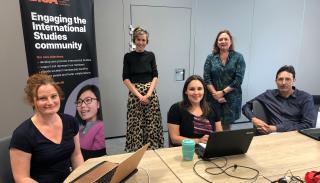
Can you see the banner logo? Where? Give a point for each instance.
(57, 2)
(46, 1)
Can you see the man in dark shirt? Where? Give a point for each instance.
(287, 108)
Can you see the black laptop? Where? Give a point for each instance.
(311, 132)
(226, 143)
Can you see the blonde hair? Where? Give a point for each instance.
(37, 80)
(139, 31)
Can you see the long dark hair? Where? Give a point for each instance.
(185, 103)
(95, 90)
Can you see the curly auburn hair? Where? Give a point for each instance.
(37, 80)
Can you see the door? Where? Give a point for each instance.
(170, 39)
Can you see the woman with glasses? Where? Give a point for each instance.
(45, 146)
(92, 137)
(140, 75)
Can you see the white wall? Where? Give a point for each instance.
(110, 51)
(13, 70)
(276, 39)
(215, 15)
(309, 60)
(268, 33)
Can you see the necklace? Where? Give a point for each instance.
(223, 58)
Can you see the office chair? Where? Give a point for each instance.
(259, 110)
(316, 100)
(5, 170)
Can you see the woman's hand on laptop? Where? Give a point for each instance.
(203, 139)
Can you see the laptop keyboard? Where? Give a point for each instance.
(199, 150)
(315, 131)
(103, 179)
(107, 177)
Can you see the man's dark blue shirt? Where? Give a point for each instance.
(293, 113)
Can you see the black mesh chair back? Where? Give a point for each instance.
(5, 170)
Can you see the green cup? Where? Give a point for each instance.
(188, 149)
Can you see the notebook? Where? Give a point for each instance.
(108, 172)
(311, 132)
(226, 143)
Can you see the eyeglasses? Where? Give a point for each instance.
(86, 101)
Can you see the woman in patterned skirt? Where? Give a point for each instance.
(140, 76)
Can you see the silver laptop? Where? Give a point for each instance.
(106, 172)
(226, 143)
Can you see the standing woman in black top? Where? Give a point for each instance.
(140, 76)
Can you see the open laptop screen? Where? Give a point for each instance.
(226, 143)
(105, 172)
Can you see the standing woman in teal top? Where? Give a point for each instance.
(223, 74)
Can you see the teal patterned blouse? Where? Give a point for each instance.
(220, 76)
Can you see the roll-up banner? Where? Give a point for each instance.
(59, 39)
